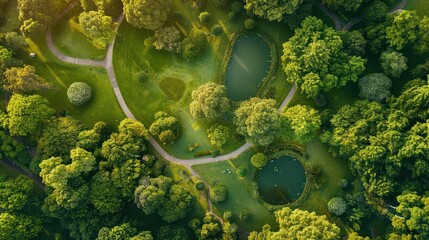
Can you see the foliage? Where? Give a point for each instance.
(259, 160)
(300, 123)
(98, 27)
(376, 12)
(272, 10)
(375, 87)
(348, 5)
(166, 127)
(257, 120)
(103, 194)
(92, 139)
(172, 232)
(12, 149)
(14, 193)
(393, 63)
(79, 93)
(59, 136)
(218, 193)
(244, 216)
(299, 224)
(218, 135)
(123, 232)
(26, 114)
(147, 14)
(228, 216)
(412, 216)
(17, 227)
(354, 42)
(194, 45)
(216, 30)
(241, 171)
(177, 205)
(337, 206)
(23, 80)
(403, 29)
(422, 41)
(220, 3)
(204, 17)
(312, 56)
(209, 101)
(249, 23)
(200, 185)
(12, 40)
(167, 38)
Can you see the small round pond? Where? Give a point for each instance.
(248, 66)
(281, 181)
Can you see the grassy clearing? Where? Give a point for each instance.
(240, 191)
(102, 107)
(421, 6)
(161, 92)
(11, 17)
(68, 38)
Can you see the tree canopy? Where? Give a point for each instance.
(24, 80)
(300, 123)
(313, 56)
(166, 127)
(147, 14)
(209, 101)
(272, 10)
(99, 28)
(258, 120)
(375, 87)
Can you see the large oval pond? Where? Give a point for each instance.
(249, 64)
(281, 181)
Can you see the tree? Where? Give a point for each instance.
(348, 5)
(194, 45)
(241, 171)
(92, 139)
(354, 42)
(249, 23)
(59, 137)
(393, 63)
(12, 40)
(422, 42)
(105, 197)
(79, 93)
(15, 227)
(14, 193)
(300, 123)
(172, 232)
(204, 17)
(218, 193)
(375, 87)
(299, 224)
(218, 135)
(199, 185)
(403, 29)
(312, 56)
(259, 160)
(149, 198)
(178, 204)
(23, 80)
(337, 206)
(98, 27)
(166, 127)
(216, 30)
(412, 215)
(147, 14)
(257, 120)
(209, 101)
(272, 10)
(123, 232)
(167, 38)
(26, 114)
(376, 12)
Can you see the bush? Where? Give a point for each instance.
(259, 160)
(200, 185)
(218, 193)
(241, 171)
(244, 216)
(216, 30)
(204, 17)
(194, 224)
(343, 183)
(249, 24)
(228, 216)
(148, 43)
(142, 76)
(337, 206)
(194, 45)
(79, 93)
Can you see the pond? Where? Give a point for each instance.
(249, 64)
(281, 181)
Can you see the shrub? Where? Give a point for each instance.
(259, 160)
(79, 93)
(200, 185)
(216, 30)
(204, 17)
(228, 216)
(148, 42)
(194, 45)
(218, 135)
(337, 206)
(241, 171)
(142, 76)
(249, 24)
(194, 224)
(244, 216)
(218, 193)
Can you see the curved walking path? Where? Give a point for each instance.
(35, 178)
(338, 23)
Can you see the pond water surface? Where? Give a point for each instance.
(249, 64)
(281, 181)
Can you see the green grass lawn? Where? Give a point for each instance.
(240, 191)
(11, 16)
(68, 38)
(102, 107)
(172, 79)
(421, 6)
